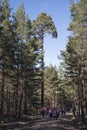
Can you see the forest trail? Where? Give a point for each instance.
(62, 123)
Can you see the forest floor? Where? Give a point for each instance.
(67, 122)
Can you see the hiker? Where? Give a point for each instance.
(58, 112)
(42, 112)
(63, 112)
(54, 114)
(47, 112)
(50, 113)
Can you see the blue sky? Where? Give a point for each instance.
(59, 11)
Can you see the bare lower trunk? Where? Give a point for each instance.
(2, 96)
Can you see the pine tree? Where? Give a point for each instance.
(44, 25)
(76, 51)
(6, 51)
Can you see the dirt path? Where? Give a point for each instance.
(65, 123)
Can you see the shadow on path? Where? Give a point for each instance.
(65, 123)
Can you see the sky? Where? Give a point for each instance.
(59, 11)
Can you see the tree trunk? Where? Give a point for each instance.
(42, 90)
(82, 113)
(25, 97)
(42, 84)
(2, 96)
(16, 94)
(20, 105)
(82, 104)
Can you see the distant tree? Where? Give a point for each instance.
(44, 25)
(51, 86)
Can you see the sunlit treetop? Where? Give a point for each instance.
(44, 24)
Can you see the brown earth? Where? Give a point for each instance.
(62, 123)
